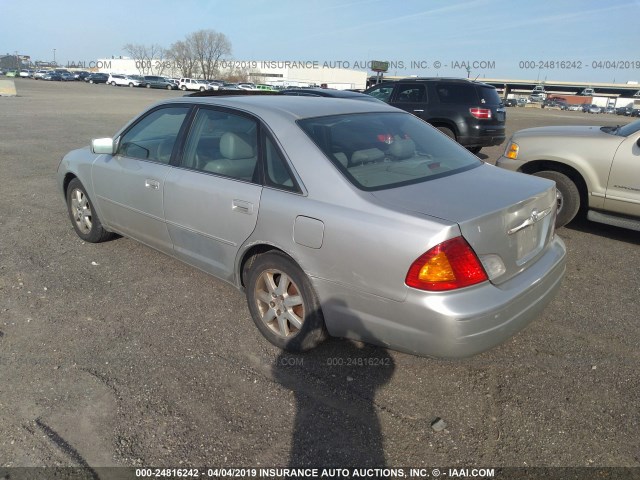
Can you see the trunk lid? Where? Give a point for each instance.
(499, 212)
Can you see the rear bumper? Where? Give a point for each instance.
(446, 325)
(483, 136)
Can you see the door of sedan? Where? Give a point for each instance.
(211, 200)
(130, 184)
(623, 188)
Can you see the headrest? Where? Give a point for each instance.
(402, 148)
(234, 147)
(368, 155)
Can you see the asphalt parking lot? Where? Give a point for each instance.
(116, 355)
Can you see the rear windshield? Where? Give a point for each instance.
(489, 95)
(377, 151)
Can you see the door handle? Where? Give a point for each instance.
(419, 110)
(152, 184)
(240, 206)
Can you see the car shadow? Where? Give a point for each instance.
(602, 230)
(336, 420)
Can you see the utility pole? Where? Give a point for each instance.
(54, 57)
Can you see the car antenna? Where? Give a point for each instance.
(476, 78)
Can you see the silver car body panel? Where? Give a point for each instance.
(130, 194)
(203, 235)
(355, 246)
(494, 203)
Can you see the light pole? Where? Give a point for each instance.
(54, 56)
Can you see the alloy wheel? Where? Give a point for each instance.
(81, 211)
(280, 303)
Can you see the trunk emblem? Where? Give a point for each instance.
(535, 217)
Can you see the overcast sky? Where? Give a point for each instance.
(507, 33)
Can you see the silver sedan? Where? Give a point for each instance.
(334, 216)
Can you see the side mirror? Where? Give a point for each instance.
(103, 145)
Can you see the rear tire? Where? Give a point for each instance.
(475, 150)
(148, 85)
(83, 216)
(283, 304)
(183, 88)
(447, 131)
(568, 196)
(168, 87)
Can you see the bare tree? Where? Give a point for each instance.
(200, 53)
(158, 59)
(209, 47)
(139, 53)
(149, 58)
(182, 58)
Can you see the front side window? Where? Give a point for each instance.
(411, 94)
(222, 143)
(377, 151)
(153, 137)
(382, 92)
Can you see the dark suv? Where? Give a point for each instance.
(472, 113)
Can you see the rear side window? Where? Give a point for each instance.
(378, 151)
(457, 93)
(222, 143)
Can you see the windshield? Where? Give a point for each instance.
(628, 129)
(384, 150)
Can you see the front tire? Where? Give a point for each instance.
(475, 150)
(83, 217)
(568, 196)
(283, 304)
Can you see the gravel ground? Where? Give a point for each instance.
(116, 355)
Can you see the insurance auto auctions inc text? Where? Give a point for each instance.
(351, 473)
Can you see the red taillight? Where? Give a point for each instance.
(481, 113)
(447, 266)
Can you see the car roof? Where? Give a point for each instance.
(289, 107)
(323, 92)
(435, 79)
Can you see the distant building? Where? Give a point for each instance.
(14, 62)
